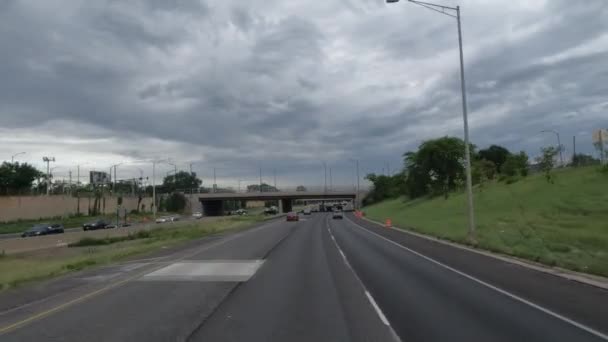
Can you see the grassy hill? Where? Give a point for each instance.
(563, 224)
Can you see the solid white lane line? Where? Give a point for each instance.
(367, 294)
(378, 311)
(481, 282)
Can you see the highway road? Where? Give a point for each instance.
(314, 280)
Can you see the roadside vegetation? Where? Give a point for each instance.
(538, 211)
(22, 268)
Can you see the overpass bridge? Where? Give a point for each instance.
(213, 203)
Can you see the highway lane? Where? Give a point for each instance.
(425, 301)
(314, 280)
(302, 291)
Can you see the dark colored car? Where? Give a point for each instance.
(43, 229)
(99, 224)
(292, 216)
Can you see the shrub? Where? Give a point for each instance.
(176, 202)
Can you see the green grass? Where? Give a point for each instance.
(19, 269)
(563, 224)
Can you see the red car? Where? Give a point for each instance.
(292, 216)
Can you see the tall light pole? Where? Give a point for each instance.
(48, 160)
(114, 183)
(14, 155)
(559, 144)
(325, 169)
(449, 11)
(356, 161)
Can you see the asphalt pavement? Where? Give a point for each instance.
(314, 280)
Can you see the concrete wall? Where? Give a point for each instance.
(14, 208)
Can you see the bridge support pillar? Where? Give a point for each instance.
(285, 205)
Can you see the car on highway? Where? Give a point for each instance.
(43, 229)
(307, 211)
(197, 215)
(99, 224)
(292, 216)
(337, 215)
(271, 210)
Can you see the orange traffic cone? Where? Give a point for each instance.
(388, 223)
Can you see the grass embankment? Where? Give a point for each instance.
(19, 269)
(563, 224)
(68, 222)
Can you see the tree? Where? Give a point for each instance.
(182, 180)
(16, 177)
(580, 159)
(496, 154)
(384, 187)
(516, 164)
(547, 161)
(483, 170)
(301, 188)
(176, 202)
(437, 166)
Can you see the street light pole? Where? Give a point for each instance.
(469, 184)
(358, 201)
(325, 169)
(559, 144)
(14, 155)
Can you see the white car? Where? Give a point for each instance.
(197, 215)
(163, 219)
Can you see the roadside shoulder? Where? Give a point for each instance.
(588, 279)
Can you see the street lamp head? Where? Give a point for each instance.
(391, 1)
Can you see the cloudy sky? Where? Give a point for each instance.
(284, 85)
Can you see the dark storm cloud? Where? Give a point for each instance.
(292, 83)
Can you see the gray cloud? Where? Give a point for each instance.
(287, 84)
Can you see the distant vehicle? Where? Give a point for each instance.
(241, 212)
(43, 229)
(348, 207)
(337, 215)
(271, 210)
(307, 211)
(163, 219)
(315, 209)
(174, 218)
(197, 215)
(292, 216)
(99, 224)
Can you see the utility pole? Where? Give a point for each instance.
(214, 181)
(331, 183)
(154, 189)
(573, 148)
(274, 174)
(70, 180)
(191, 184)
(325, 169)
(260, 179)
(47, 160)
